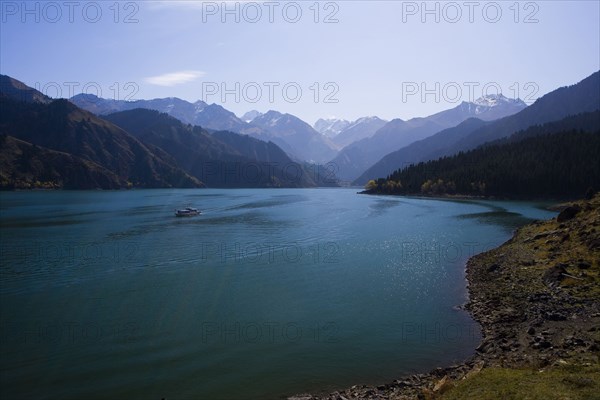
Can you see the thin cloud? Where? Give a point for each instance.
(174, 78)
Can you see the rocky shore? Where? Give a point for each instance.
(537, 299)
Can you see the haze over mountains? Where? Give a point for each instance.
(556, 159)
(354, 159)
(362, 128)
(330, 127)
(41, 137)
(219, 159)
(560, 103)
(288, 131)
(352, 146)
(179, 143)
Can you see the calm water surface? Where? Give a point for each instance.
(266, 294)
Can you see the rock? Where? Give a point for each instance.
(541, 235)
(568, 213)
(539, 297)
(555, 316)
(571, 341)
(493, 268)
(443, 385)
(544, 344)
(555, 274)
(484, 347)
(531, 330)
(584, 265)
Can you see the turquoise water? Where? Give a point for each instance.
(266, 294)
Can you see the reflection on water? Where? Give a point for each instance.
(273, 202)
(380, 207)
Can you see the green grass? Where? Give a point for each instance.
(556, 383)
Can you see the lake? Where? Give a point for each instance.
(270, 292)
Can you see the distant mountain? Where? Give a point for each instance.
(250, 115)
(330, 127)
(295, 136)
(55, 144)
(17, 90)
(583, 122)
(62, 127)
(356, 158)
(199, 113)
(217, 118)
(557, 159)
(558, 104)
(178, 108)
(221, 159)
(421, 150)
(360, 129)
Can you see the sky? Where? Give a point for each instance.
(342, 59)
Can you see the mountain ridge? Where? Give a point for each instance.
(354, 159)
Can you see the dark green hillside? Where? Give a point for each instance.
(221, 159)
(27, 166)
(63, 127)
(542, 161)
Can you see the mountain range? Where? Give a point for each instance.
(54, 143)
(295, 136)
(560, 103)
(171, 142)
(355, 158)
(555, 160)
(351, 146)
(362, 128)
(218, 159)
(98, 149)
(330, 127)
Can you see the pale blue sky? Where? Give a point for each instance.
(371, 57)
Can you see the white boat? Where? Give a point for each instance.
(187, 212)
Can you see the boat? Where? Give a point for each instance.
(187, 212)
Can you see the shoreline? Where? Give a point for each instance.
(536, 298)
(557, 203)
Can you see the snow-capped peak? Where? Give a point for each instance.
(330, 127)
(493, 100)
(251, 115)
